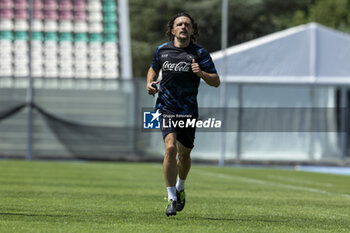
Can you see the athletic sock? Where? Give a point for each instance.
(180, 184)
(171, 193)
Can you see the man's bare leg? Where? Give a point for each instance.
(169, 162)
(170, 172)
(184, 160)
(183, 166)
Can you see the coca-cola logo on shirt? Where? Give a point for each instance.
(179, 67)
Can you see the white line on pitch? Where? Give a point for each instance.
(263, 182)
(282, 178)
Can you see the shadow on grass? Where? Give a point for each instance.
(238, 219)
(35, 215)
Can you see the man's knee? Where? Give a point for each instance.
(170, 149)
(170, 145)
(184, 156)
(184, 153)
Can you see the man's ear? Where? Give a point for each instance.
(172, 32)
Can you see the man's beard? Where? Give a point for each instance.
(183, 39)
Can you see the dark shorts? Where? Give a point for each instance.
(185, 135)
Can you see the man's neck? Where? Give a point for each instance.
(180, 43)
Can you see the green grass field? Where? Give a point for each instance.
(130, 197)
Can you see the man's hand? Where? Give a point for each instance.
(150, 89)
(212, 79)
(196, 69)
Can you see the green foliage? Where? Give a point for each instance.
(129, 197)
(247, 20)
(149, 20)
(331, 13)
(335, 13)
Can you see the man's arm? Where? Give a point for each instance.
(212, 79)
(152, 76)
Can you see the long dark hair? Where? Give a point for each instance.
(171, 26)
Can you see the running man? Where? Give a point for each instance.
(183, 64)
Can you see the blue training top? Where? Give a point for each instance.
(179, 86)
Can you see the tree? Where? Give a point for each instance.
(247, 20)
(253, 19)
(148, 26)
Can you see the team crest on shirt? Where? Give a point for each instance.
(190, 57)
